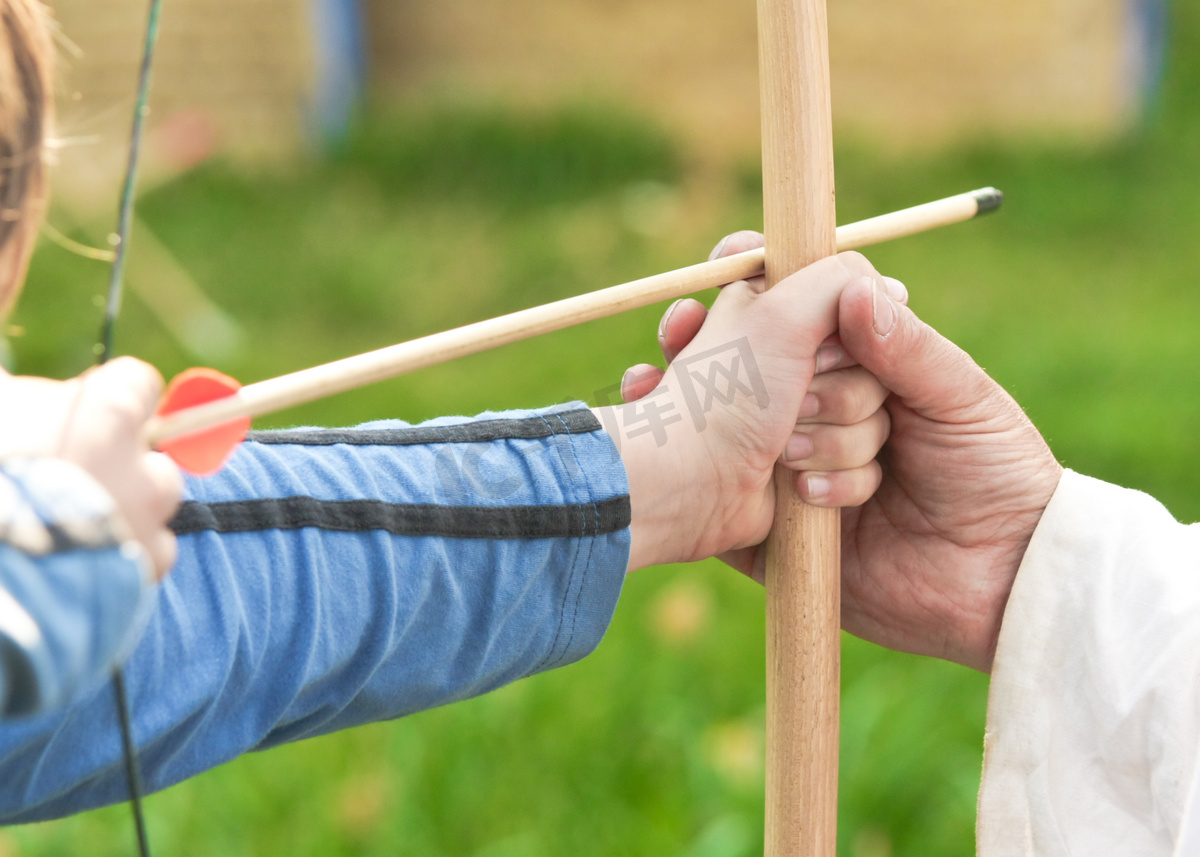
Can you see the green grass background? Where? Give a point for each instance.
(1081, 297)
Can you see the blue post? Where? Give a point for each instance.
(341, 67)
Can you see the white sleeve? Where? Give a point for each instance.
(1094, 712)
(1189, 836)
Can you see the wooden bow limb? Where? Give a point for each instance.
(803, 574)
(349, 373)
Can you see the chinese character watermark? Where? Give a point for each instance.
(720, 374)
(699, 382)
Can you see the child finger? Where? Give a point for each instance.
(127, 382)
(832, 355)
(163, 550)
(165, 485)
(840, 489)
(830, 447)
(640, 381)
(679, 326)
(738, 242)
(844, 397)
(741, 242)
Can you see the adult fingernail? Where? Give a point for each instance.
(662, 325)
(810, 406)
(716, 253)
(799, 447)
(818, 487)
(885, 310)
(896, 290)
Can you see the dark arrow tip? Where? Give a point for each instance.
(988, 199)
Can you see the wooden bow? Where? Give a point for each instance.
(803, 575)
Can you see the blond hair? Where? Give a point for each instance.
(26, 116)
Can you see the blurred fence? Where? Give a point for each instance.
(913, 73)
(234, 76)
(920, 72)
(242, 69)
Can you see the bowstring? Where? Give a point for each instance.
(104, 350)
(125, 214)
(133, 771)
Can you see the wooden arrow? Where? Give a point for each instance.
(201, 401)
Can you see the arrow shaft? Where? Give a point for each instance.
(308, 385)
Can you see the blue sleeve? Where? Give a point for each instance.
(73, 595)
(332, 578)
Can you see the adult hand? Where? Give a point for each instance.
(928, 562)
(928, 559)
(700, 448)
(96, 422)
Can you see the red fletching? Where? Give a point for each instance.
(205, 452)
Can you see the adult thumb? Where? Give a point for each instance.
(928, 372)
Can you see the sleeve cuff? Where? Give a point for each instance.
(76, 596)
(1091, 735)
(594, 474)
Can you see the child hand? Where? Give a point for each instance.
(96, 422)
(744, 374)
(841, 424)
